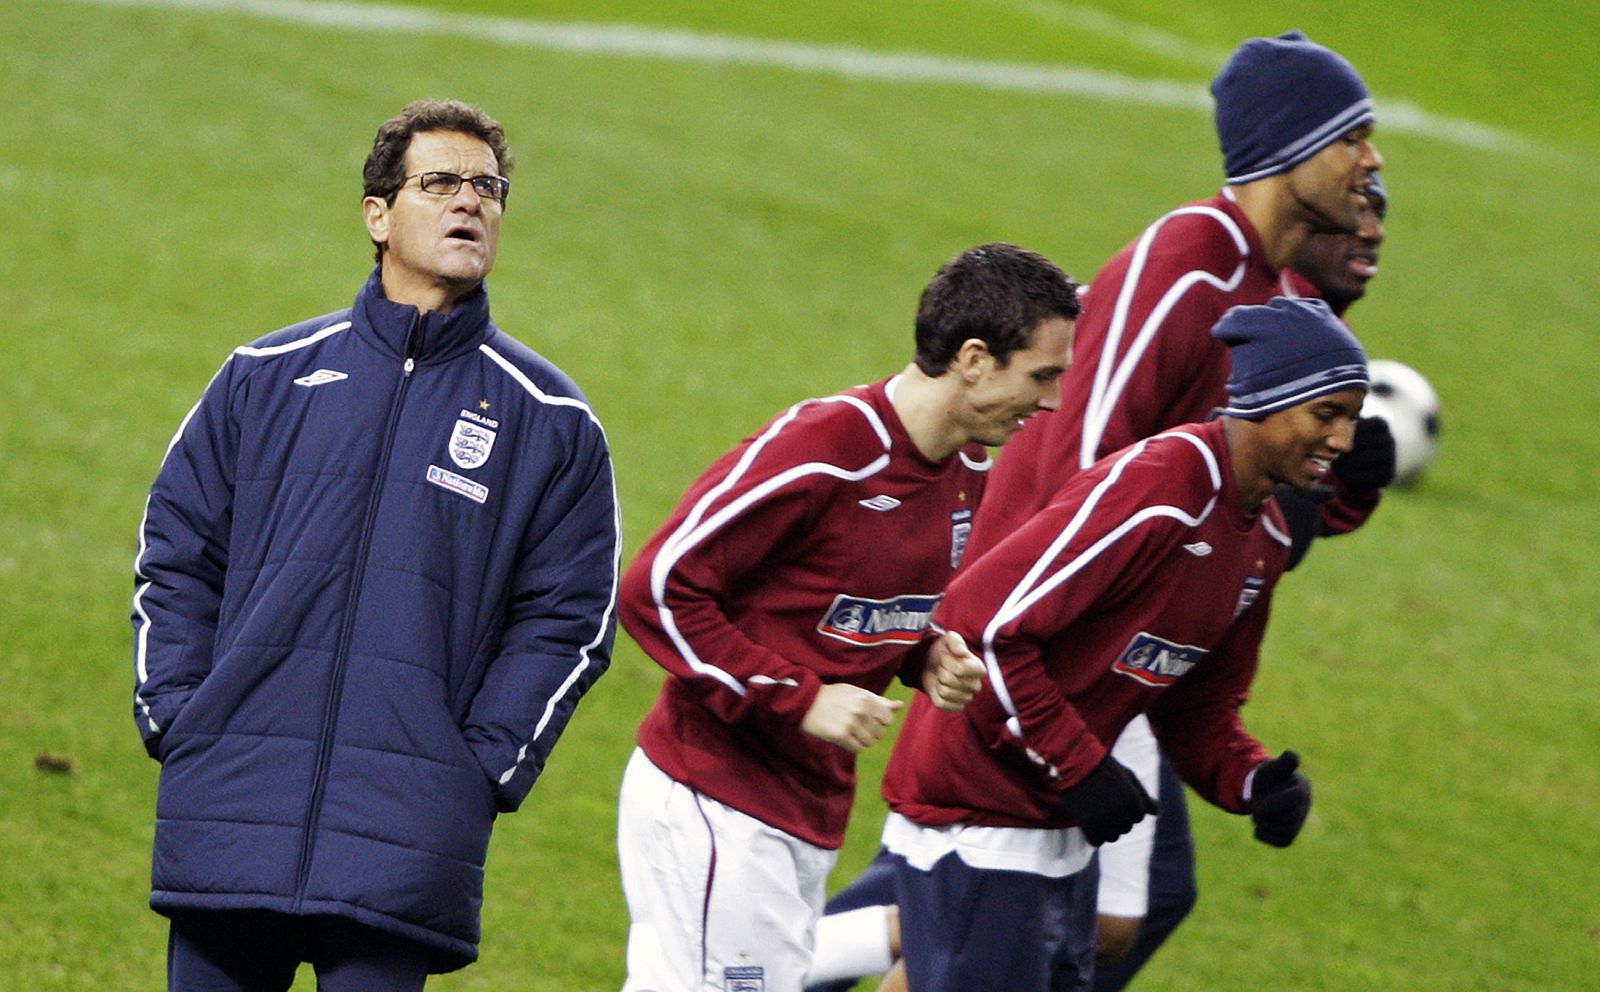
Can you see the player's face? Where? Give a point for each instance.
(1005, 396)
(1330, 186)
(1298, 445)
(1340, 265)
(437, 248)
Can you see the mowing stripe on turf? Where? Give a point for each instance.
(633, 41)
(1130, 33)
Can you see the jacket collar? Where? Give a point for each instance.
(426, 335)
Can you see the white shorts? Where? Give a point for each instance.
(719, 901)
(1125, 862)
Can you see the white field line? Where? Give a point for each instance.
(631, 41)
(1130, 33)
(1393, 115)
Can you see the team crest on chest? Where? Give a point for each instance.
(960, 530)
(1249, 594)
(472, 439)
(744, 978)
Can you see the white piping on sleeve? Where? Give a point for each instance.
(1035, 585)
(1111, 376)
(296, 345)
(1274, 532)
(1206, 455)
(878, 426)
(584, 652)
(535, 391)
(142, 638)
(692, 521)
(696, 527)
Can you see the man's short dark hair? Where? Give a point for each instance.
(997, 293)
(385, 168)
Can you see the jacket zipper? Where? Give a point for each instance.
(341, 656)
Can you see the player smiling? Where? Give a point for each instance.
(1145, 587)
(783, 595)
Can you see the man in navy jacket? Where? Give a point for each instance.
(376, 572)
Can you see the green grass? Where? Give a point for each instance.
(701, 245)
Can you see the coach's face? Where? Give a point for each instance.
(436, 247)
(1330, 186)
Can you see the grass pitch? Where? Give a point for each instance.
(700, 244)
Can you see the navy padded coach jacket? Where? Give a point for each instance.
(376, 572)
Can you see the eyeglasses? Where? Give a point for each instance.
(495, 188)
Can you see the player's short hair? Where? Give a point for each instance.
(998, 293)
(385, 168)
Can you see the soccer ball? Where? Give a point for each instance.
(1399, 394)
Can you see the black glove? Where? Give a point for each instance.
(1302, 511)
(1369, 464)
(1280, 798)
(1108, 802)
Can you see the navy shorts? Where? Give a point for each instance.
(965, 928)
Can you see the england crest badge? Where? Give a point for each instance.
(960, 530)
(1249, 594)
(470, 444)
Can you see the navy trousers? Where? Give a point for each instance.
(256, 951)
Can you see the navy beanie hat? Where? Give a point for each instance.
(1280, 101)
(1285, 353)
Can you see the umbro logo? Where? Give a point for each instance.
(769, 680)
(321, 377)
(880, 503)
(1199, 549)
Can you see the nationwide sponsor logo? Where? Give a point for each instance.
(475, 491)
(880, 503)
(744, 978)
(1199, 549)
(470, 444)
(1155, 661)
(321, 377)
(878, 621)
(960, 530)
(1250, 593)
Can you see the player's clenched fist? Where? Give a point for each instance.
(849, 716)
(953, 674)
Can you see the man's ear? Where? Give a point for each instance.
(375, 212)
(971, 359)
